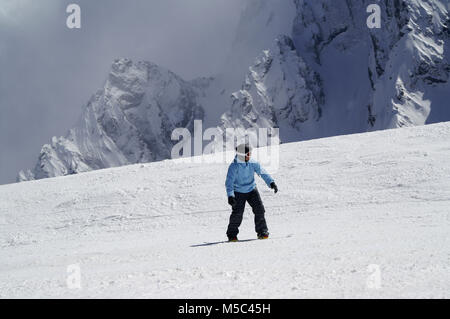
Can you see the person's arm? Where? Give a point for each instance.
(229, 182)
(263, 174)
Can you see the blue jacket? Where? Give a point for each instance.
(241, 177)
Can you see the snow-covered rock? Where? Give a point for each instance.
(408, 76)
(360, 79)
(320, 71)
(279, 91)
(260, 22)
(130, 120)
(388, 74)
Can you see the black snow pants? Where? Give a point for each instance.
(255, 202)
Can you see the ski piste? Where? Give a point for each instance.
(240, 241)
(355, 204)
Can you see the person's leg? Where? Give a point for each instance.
(254, 199)
(236, 215)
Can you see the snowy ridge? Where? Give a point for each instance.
(260, 23)
(279, 91)
(414, 65)
(346, 204)
(361, 79)
(390, 71)
(129, 121)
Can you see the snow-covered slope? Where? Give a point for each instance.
(356, 216)
(130, 120)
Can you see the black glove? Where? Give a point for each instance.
(231, 200)
(274, 187)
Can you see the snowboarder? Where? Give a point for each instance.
(241, 187)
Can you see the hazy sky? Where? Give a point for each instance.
(48, 72)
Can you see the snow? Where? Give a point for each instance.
(351, 210)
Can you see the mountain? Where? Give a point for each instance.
(260, 22)
(334, 75)
(130, 120)
(318, 70)
(356, 216)
(280, 90)
(392, 74)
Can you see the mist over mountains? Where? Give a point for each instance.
(310, 68)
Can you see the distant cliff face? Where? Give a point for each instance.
(130, 120)
(279, 91)
(350, 78)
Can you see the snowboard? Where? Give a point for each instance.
(240, 241)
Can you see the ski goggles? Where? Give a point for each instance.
(244, 154)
